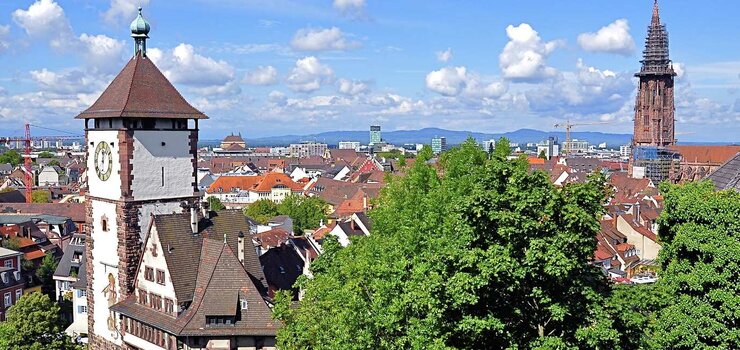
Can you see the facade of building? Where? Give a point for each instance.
(307, 149)
(550, 147)
(375, 136)
(142, 141)
(439, 144)
(654, 105)
(576, 146)
(349, 145)
(11, 281)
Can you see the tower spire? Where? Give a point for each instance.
(656, 14)
(140, 32)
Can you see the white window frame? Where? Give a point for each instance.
(8, 299)
(18, 294)
(8, 263)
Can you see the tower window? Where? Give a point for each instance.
(104, 223)
(162, 176)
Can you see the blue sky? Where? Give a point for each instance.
(273, 67)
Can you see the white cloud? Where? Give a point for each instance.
(123, 11)
(350, 7)
(45, 19)
(613, 38)
(587, 91)
(352, 87)
(102, 52)
(524, 56)
(262, 75)
(4, 34)
(309, 74)
(184, 66)
(454, 81)
(69, 81)
(680, 70)
(444, 56)
(328, 39)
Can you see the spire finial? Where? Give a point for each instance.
(140, 32)
(656, 15)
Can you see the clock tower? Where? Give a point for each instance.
(141, 139)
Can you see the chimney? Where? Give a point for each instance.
(204, 207)
(637, 212)
(194, 220)
(240, 247)
(364, 201)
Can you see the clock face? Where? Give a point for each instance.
(103, 161)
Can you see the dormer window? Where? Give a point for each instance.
(243, 303)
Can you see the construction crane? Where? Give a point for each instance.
(567, 125)
(27, 144)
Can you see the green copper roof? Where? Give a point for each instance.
(139, 26)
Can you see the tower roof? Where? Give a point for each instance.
(139, 26)
(141, 91)
(655, 59)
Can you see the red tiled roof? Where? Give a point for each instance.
(639, 228)
(233, 138)
(141, 91)
(270, 180)
(706, 154)
(323, 231)
(272, 238)
(226, 183)
(74, 211)
(535, 160)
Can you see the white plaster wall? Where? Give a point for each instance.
(149, 159)
(141, 343)
(48, 176)
(105, 261)
(155, 262)
(155, 208)
(110, 189)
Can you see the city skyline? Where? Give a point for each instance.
(276, 68)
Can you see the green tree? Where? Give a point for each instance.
(215, 204)
(502, 148)
(53, 162)
(34, 323)
(45, 274)
(46, 154)
(488, 256)
(262, 210)
(542, 155)
(12, 243)
(700, 232)
(41, 196)
(12, 157)
(306, 212)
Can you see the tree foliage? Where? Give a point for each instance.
(306, 212)
(45, 274)
(262, 210)
(46, 154)
(487, 256)
(34, 323)
(11, 157)
(41, 196)
(215, 204)
(700, 230)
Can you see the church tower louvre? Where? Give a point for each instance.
(141, 137)
(654, 106)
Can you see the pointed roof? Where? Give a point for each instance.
(655, 57)
(141, 91)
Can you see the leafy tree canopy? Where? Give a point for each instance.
(262, 210)
(488, 256)
(700, 232)
(45, 273)
(11, 157)
(215, 204)
(46, 154)
(306, 212)
(41, 196)
(33, 323)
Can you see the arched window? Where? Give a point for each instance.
(104, 223)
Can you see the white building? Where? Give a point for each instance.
(349, 145)
(550, 147)
(239, 191)
(576, 146)
(625, 151)
(307, 149)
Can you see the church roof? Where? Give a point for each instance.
(141, 91)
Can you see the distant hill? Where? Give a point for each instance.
(425, 136)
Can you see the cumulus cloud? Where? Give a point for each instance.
(355, 8)
(454, 81)
(69, 81)
(102, 52)
(45, 19)
(121, 11)
(309, 74)
(4, 34)
(524, 56)
(444, 56)
(328, 39)
(613, 38)
(587, 91)
(184, 66)
(352, 87)
(262, 75)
